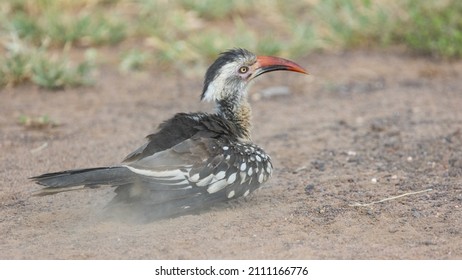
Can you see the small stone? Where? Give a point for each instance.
(351, 153)
(309, 189)
(455, 164)
(319, 165)
(374, 180)
(416, 213)
(409, 159)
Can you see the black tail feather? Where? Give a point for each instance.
(89, 177)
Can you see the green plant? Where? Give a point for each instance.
(15, 68)
(24, 26)
(58, 73)
(187, 34)
(24, 63)
(355, 23)
(213, 9)
(135, 59)
(37, 122)
(436, 29)
(47, 21)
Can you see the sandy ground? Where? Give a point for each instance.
(362, 128)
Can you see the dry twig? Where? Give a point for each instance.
(357, 204)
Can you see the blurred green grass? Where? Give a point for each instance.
(188, 34)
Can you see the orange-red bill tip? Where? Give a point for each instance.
(272, 63)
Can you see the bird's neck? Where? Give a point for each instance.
(237, 110)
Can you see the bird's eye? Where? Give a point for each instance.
(243, 69)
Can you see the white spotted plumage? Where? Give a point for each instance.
(217, 186)
(231, 178)
(231, 194)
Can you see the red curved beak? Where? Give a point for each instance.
(267, 64)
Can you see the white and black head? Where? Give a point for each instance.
(228, 77)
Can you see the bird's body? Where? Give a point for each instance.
(194, 160)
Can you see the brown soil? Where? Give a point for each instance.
(362, 128)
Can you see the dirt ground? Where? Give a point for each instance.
(364, 127)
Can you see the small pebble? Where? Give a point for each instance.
(409, 159)
(319, 165)
(374, 180)
(309, 188)
(351, 153)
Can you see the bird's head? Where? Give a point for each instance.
(228, 77)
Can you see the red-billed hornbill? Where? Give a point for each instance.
(194, 160)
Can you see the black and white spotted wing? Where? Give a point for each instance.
(195, 174)
(236, 169)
